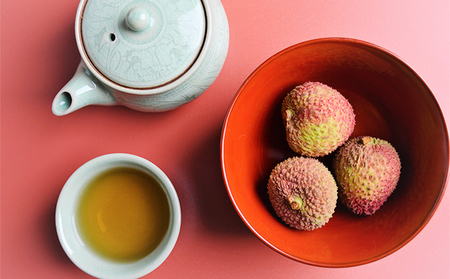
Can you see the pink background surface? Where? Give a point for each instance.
(39, 151)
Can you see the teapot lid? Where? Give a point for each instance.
(142, 43)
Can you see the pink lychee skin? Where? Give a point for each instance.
(367, 170)
(317, 119)
(308, 180)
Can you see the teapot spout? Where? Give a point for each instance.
(82, 90)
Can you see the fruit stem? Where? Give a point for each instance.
(365, 140)
(295, 202)
(289, 114)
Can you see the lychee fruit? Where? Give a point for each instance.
(317, 119)
(367, 170)
(302, 192)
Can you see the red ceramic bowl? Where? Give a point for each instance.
(390, 101)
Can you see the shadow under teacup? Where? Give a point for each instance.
(118, 216)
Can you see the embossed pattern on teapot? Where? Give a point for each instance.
(148, 55)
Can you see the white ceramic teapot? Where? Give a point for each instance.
(148, 55)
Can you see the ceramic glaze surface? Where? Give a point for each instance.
(70, 230)
(143, 44)
(149, 56)
(390, 101)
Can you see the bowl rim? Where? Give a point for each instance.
(319, 41)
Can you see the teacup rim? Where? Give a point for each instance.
(83, 257)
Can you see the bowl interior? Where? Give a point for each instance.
(390, 102)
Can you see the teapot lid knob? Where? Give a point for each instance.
(138, 19)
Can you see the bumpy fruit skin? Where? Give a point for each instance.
(317, 119)
(367, 170)
(303, 193)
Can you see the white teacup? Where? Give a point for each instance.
(69, 231)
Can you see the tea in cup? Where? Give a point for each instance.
(118, 216)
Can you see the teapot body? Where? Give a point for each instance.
(90, 87)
